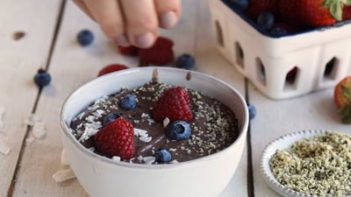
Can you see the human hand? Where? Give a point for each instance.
(132, 22)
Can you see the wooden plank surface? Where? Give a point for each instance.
(19, 61)
(276, 118)
(71, 66)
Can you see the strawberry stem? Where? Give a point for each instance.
(335, 7)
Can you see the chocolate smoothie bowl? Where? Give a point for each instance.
(155, 128)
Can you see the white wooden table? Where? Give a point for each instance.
(50, 41)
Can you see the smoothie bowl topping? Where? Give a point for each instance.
(156, 124)
(320, 165)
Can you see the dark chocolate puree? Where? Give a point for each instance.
(214, 126)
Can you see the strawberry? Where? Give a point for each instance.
(174, 104)
(116, 139)
(129, 51)
(346, 13)
(111, 68)
(257, 7)
(160, 53)
(342, 98)
(311, 13)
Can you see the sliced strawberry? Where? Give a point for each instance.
(111, 68)
(161, 53)
(129, 51)
(116, 139)
(173, 104)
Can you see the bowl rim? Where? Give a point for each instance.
(268, 176)
(66, 130)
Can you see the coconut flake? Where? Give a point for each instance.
(142, 135)
(100, 100)
(166, 121)
(140, 158)
(116, 158)
(90, 130)
(4, 148)
(174, 161)
(32, 119)
(63, 175)
(145, 139)
(149, 159)
(140, 132)
(39, 130)
(30, 139)
(98, 113)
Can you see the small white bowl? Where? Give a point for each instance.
(101, 176)
(282, 143)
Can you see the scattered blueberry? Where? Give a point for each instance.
(252, 111)
(240, 4)
(185, 61)
(279, 31)
(42, 78)
(129, 102)
(179, 130)
(265, 20)
(85, 37)
(163, 156)
(110, 118)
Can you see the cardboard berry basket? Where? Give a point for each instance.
(282, 67)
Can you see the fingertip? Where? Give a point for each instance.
(168, 19)
(122, 40)
(145, 40)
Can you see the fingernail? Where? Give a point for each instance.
(145, 40)
(122, 40)
(168, 19)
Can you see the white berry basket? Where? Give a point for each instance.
(321, 57)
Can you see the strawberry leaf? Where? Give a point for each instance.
(346, 92)
(335, 8)
(345, 113)
(346, 2)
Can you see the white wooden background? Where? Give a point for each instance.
(50, 41)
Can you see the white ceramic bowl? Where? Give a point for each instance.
(101, 176)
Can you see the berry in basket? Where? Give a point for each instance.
(301, 14)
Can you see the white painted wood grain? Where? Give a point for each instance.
(19, 61)
(276, 118)
(72, 66)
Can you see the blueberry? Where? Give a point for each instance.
(240, 4)
(179, 130)
(185, 61)
(85, 37)
(252, 111)
(265, 20)
(129, 102)
(279, 31)
(42, 78)
(110, 118)
(163, 156)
